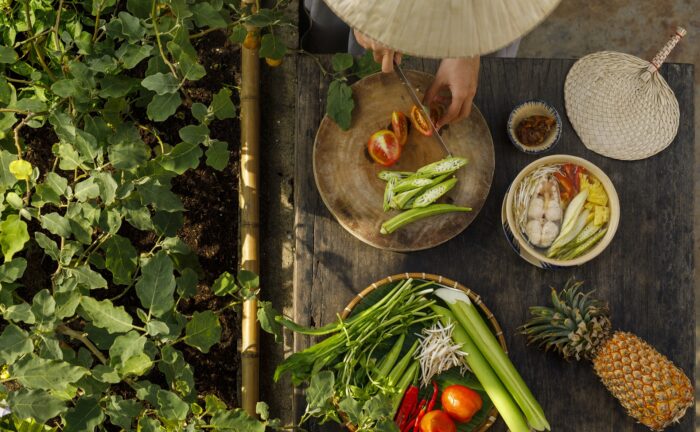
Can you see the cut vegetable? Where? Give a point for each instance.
(389, 192)
(416, 214)
(433, 193)
(444, 166)
(469, 318)
(566, 236)
(500, 397)
(388, 175)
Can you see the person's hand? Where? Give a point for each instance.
(460, 76)
(382, 53)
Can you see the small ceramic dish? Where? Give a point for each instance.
(532, 108)
(534, 256)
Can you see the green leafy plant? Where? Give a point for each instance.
(98, 344)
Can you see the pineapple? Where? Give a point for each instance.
(651, 388)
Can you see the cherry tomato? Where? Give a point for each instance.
(252, 40)
(273, 62)
(384, 147)
(420, 122)
(437, 421)
(399, 125)
(460, 402)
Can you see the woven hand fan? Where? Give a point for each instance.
(619, 104)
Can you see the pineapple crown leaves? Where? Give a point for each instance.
(574, 326)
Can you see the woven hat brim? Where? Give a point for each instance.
(443, 28)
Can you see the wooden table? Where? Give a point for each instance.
(646, 274)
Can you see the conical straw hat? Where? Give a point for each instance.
(443, 28)
(619, 104)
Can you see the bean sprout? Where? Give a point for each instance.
(438, 352)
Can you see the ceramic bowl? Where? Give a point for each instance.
(520, 244)
(527, 109)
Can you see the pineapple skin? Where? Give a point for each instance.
(651, 388)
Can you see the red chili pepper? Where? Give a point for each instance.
(433, 398)
(421, 413)
(408, 405)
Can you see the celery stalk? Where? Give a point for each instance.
(468, 316)
(502, 400)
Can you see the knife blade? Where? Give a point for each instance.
(417, 102)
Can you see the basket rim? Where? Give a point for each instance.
(447, 283)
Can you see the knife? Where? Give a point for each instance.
(417, 102)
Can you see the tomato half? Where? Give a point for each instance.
(420, 122)
(399, 125)
(437, 421)
(384, 147)
(460, 402)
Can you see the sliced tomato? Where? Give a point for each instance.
(399, 125)
(437, 110)
(566, 186)
(420, 122)
(460, 402)
(437, 421)
(384, 147)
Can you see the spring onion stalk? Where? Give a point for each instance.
(398, 370)
(416, 214)
(389, 361)
(469, 318)
(500, 397)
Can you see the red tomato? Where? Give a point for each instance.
(399, 125)
(460, 402)
(437, 421)
(384, 147)
(420, 122)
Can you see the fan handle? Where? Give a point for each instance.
(660, 57)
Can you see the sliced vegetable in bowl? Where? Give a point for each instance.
(562, 210)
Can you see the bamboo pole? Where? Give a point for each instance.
(249, 217)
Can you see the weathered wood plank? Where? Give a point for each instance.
(646, 274)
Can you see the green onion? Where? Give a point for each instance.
(468, 316)
(416, 214)
(502, 400)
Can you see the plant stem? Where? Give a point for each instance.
(58, 21)
(210, 30)
(324, 71)
(16, 134)
(97, 22)
(154, 18)
(39, 54)
(82, 338)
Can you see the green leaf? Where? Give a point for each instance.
(131, 55)
(236, 421)
(13, 236)
(218, 155)
(176, 370)
(87, 190)
(194, 134)
(352, 408)
(161, 83)
(263, 410)
(156, 328)
(127, 354)
(115, 86)
(38, 373)
(341, 61)
(206, 16)
(66, 88)
(187, 283)
(12, 270)
(7, 55)
(272, 47)
(108, 187)
(320, 392)
(21, 169)
(163, 106)
(168, 223)
(366, 65)
(128, 155)
(122, 412)
(44, 307)
(199, 111)
(106, 374)
(266, 317)
(131, 27)
(224, 285)
(171, 406)
(156, 286)
(264, 18)
(203, 331)
(56, 224)
(20, 313)
(340, 104)
(160, 196)
(238, 34)
(85, 416)
(120, 259)
(35, 404)
(221, 105)
(187, 63)
(14, 342)
(87, 277)
(66, 303)
(182, 157)
(104, 315)
(7, 179)
(248, 280)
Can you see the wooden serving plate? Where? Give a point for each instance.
(346, 176)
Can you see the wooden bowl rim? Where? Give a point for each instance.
(448, 283)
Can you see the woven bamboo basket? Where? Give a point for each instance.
(448, 283)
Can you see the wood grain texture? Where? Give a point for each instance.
(646, 274)
(347, 180)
